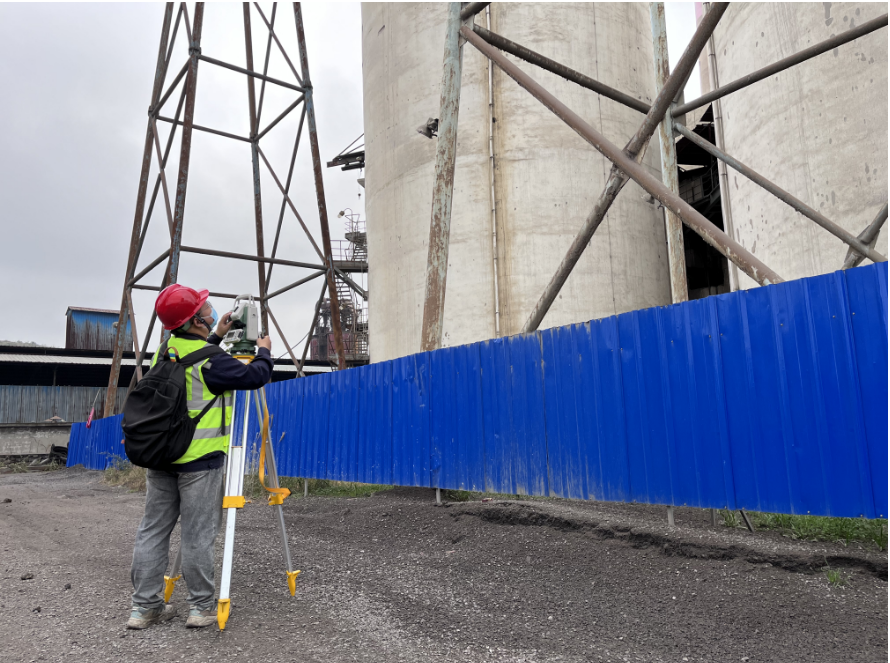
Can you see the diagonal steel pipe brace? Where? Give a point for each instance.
(783, 64)
(869, 237)
(554, 67)
(634, 148)
(707, 230)
(780, 193)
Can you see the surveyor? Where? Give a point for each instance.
(191, 489)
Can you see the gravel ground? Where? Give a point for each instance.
(393, 577)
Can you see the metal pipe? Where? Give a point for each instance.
(471, 9)
(252, 74)
(281, 334)
(118, 348)
(154, 263)
(154, 288)
(780, 193)
(278, 119)
(783, 64)
(244, 256)
(492, 191)
(162, 174)
(290, 202)
(554, 67)
(319, 189)
(290, 174)
(869, 237)
(255, 161)
(198, 127)
(154, 110)
(134, 334)
(259, 110)
(324, 286)
(446, 152)
(673, 226)
(708, 231)
(293, 285)
(617, 178)
(352, 284)
(280, 47)
(186, 148)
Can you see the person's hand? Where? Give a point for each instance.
(264, 342)
(224, 325)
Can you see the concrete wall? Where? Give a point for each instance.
(546, 177)
(819, 130)
(32, 439)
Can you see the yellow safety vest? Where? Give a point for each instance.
(210, 435)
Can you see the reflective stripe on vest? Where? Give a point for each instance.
(212, 434)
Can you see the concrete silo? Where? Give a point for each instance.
(818, 130)
(546, 178)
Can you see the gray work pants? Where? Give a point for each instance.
(196, 497)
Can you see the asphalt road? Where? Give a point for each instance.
(393, 577)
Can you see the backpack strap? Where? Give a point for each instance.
(208, 350)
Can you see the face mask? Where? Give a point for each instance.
(210, 321)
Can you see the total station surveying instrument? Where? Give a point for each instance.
(241, 341)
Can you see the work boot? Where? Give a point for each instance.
(200, 618)
(145, 617)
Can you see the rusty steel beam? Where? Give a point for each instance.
(286, 188)
(154, 110)
(324, 286)
(841, 233)
(319, 190)
(278, 119)
(352, 284)
(869, 237)
(278, 43)
(471, 9)
(154, 263)
(143, 351)
(198, 127)
(259, 110)
(673, 226)
(446, 153)
(707, 230)
(244, 256)
(255, 161)
(155, 288)
(293, 285)
(162, 174)
(252, 74)
(783, 64)
(133, 333)
(617, 178)
(119, 340)
(554, 67)
(283, 339)
(290, 202)
(186, 144)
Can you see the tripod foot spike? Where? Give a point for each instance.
(292, 581)
(222, 613)
(169, 584)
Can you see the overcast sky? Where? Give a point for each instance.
(76, 81)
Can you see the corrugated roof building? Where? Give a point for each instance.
(93, 329)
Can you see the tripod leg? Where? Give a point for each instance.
(175, 574)
(273, 481)
(232, 501)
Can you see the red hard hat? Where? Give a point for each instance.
(177, 304)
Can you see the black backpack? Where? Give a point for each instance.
(157, 427)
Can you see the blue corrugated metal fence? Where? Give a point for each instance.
(97, 447)
(771, 399)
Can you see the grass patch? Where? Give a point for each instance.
(817, 528)
(15, 467)
(834, 577)
(317, 487)
(124, 473)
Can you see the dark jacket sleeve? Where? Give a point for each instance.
(223, 372)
